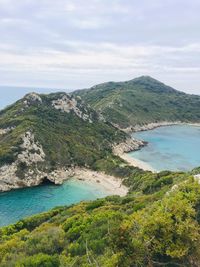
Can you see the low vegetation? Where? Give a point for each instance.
(156, 224)
(67, 140)
(140, 101)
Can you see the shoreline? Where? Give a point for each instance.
(154, 125)
(137, 163)
(111, 184)
(139, 144)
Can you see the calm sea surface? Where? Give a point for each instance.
(170, 147)
(21, 203)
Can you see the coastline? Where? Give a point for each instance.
(154, 125)
(137, 163)
(122, 149)
(129, 145)
(111, 184)
(10, 181)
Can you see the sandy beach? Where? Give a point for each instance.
(137, 163)
(109, 183)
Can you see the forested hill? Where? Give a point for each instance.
(42, 135)
(140, 101)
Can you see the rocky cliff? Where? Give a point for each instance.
(47, 136)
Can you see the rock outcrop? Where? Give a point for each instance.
(197, 178)
(32, 151)
(9, 179)
(42, 137)
(68, 104)
(130, 144)
(5, 131)
(32, 97)
(31, 154)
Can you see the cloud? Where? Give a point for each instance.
(102, 56)
(89, 23)
(63, 41)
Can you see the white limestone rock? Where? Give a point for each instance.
(31, 98)
(130, 144)
(197, 178)
(5, 131)
(67, 104)
(32, 151)
(60, 175)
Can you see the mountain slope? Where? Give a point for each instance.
(158, 224)
(43, 136)
(140, 101)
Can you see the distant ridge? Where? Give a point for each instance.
(141, 101)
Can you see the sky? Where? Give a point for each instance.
(70, 44)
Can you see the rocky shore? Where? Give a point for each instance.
(32, 153)
(25, 171)
(10, 180)
(111, 184)
(130, 144)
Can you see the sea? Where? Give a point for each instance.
(20, 203)
(175, 148)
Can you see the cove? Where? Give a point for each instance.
(175, 148)
(20, 203)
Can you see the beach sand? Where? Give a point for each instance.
(137, 163)
(109, 183)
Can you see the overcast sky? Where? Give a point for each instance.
(78, 43)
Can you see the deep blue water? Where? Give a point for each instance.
(21, 203)
(170, 148)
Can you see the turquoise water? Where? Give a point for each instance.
(21, 203)
(170, 147)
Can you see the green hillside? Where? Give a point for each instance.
(43, 133)
(157, 224)
(141, 101)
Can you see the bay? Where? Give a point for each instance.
(20, 203)
(175, 148)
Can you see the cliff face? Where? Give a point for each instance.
(46, 136)
(32, 154)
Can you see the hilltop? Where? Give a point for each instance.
(141, 101)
